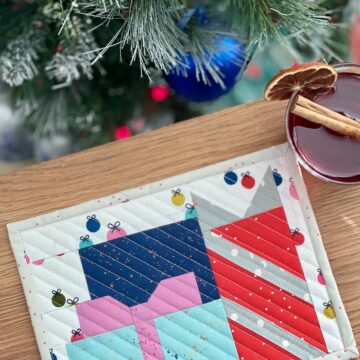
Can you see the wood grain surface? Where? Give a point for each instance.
(162, 153)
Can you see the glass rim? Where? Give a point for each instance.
(298, 156)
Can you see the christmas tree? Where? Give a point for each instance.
(87, 67)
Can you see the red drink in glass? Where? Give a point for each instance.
(323, 152)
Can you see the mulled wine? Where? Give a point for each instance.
(325, 153)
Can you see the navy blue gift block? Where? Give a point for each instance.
(130, 268)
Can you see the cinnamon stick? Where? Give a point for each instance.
(327, 121)
(350, 70)
(308, 104)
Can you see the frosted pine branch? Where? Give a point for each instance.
(273, 19)
(72, 62)
(67, 68)
(147, 27)
(152, 35)
(304, 23)
(75, 54)
(104, 9)
(18, 61)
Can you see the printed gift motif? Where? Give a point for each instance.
(247, 181)
(292, 190)
(77, 335)
(329, 310)
(52, 355)
(320, 277)
(190, 211)
(277, 177)
(85, 241)
(92, 223)
(230, 178)
(58, 298)
(115, 231)
(177, 197)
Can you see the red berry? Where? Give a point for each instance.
(122, 132)
(159, 93)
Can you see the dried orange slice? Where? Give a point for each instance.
(305, 79)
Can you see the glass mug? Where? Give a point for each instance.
(324, 153)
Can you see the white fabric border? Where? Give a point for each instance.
(350, 351)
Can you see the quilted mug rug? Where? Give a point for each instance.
(224, 262)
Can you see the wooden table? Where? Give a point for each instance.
(165, 152)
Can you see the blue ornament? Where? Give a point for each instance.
(230, 178)
(92, 224)
(193, 89)
(191, 212)
(277, 177)
(85, 241)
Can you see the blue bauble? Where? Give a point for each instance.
(93, 224)
(192, 89)
(230, 178)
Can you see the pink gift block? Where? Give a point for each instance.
(149, 340)
(106, 314)
(102, 315)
